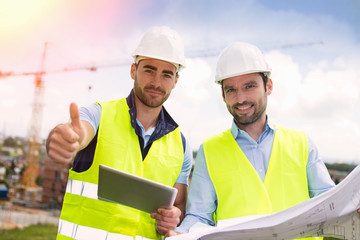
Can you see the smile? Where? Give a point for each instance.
(243, 108)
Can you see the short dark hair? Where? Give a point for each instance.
(264, 78)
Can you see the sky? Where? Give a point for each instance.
(312, 46)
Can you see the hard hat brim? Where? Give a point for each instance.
(218, 80)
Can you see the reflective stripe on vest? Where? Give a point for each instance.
(81, 188)
(76, 231)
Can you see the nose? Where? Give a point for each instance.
(156, 80)
(240, 97)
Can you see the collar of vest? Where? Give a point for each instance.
(164, 125)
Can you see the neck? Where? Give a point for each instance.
(254, 129)
(146, 115)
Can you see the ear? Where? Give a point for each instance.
(133, 71)
(269, 86)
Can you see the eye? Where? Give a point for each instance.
(168, 76)
(248, 86)
(229, 90)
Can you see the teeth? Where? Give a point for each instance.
(243, 108)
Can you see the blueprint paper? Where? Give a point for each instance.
(331, 214)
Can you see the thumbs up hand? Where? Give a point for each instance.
(65, 140)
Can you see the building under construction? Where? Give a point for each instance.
(55, 177)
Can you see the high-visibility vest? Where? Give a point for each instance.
(239, 189)
(83, 216)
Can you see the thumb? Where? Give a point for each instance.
(75, 116)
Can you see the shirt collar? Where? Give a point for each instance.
(236, 131)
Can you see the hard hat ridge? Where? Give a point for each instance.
(240, 58)
(162, 43)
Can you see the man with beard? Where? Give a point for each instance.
(255, 167)
(134, 134)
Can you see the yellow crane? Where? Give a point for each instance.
(34, 139)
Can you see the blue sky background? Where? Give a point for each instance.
(313, 48)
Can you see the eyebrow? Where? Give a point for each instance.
(251, 82)
(151, 67)
(245, 84)
(155, 69)
(168, 72)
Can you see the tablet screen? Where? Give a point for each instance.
(133, 191)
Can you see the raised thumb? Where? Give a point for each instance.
(75, 116)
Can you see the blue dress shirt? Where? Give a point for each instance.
(202, 199)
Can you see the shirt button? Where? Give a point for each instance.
(260, 170)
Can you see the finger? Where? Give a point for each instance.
(61, 150)
(64, 149)
(173, 212)
(59, 157)
(170, 225)
(172, 216)
(162, 230)
(75, 116)
(65, 132)
(171, 233)
(167, 223)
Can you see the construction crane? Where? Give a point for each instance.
(34, 139)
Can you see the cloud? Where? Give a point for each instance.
(286, 81)
(194, 81)
(323, 102)
(316, 87)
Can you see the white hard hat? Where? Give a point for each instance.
(162, 43)
(239, 59)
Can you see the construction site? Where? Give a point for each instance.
(53, 54)
(35, 184)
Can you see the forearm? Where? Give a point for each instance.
(88, 135)
(201, 202)
(180, 201)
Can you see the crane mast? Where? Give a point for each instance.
(34, 139)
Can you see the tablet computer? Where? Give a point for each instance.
(133, 191)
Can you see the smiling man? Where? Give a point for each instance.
(134, 134)
(255, 167)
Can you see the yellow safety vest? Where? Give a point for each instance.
(239, 189)
(83, 216)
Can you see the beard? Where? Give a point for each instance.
(247, 119)
(147, 99)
